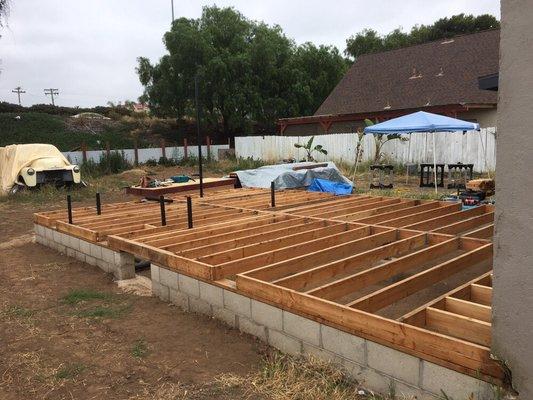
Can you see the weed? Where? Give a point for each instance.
(140, 349)
(103, 312)
(19, 312)
(76, 296)
(70, 371)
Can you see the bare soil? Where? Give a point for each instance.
(138, 348)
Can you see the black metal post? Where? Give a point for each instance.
(272, 194)
(98, 204)
(198, 135)
(69, 208)
(163, 214)
(189, 211)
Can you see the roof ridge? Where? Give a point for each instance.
(427, 43)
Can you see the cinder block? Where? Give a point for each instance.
(154, 273)
(71, 252)
(199, 306)
(164, 293)
(90, 260)
(39, 239)
(74, 243)
(104, 266)
(57, 237)
(188, 285)
(405, 391)
(267, 315)
(456, 385)
(302, 328)
(240, 305)
(49, 234)
(212, 294)
(178, 298)
(96, 251)
(156, 288)
(62, 249)
(80, 256)
(224, 315)
(108, 255)
(368, 378)
(321, 354)
(348, 346)
(85, 247)
(284, 342)
(38, 229)
(394, 363)
(168, 278)
(124, 265)
(246, 325)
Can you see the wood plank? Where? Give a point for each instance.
(486, 232)
(468, 309)
(380, 210)
(481, 294)
(459, 326)
(384, 271)
(377, 219)
(408, 286)
(455, 353)
(444, 220)
(421, 216)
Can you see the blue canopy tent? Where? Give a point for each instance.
(422, 121)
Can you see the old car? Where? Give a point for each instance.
(32, 165)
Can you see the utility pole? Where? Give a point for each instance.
(172, 5)
(18, 90)
(51, 92)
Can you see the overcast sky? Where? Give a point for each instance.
(88, 48)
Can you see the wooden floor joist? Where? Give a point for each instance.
(346, 261)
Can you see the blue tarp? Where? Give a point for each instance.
(337, 188)
(422, 121)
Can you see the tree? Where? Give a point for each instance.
(308, 147)
(248, 72)
(381, 139)
(369, 41)
(4, 9)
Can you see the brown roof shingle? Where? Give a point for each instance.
(448, 69)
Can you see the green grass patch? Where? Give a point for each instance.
(77, 296)
(139, 349)
(18, 312)
(70, 371)
(103, 312)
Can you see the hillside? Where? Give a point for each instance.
(64, 132)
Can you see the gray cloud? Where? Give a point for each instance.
(88, 48)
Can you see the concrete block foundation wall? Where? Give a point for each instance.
(376, 367)
(120, 264)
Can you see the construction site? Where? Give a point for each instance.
(358, 280)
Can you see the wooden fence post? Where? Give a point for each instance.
(208, 144)
(135, 152)
(84, 152)
(185, 152)
(163, 149)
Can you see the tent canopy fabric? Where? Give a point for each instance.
(421, 121)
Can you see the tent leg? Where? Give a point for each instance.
(434, 164)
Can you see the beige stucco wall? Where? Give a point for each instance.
(486, 118)
(513, 262)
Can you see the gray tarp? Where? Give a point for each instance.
(286, 178)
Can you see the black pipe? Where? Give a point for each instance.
(198, 136)
(163, 214)
(98, 204)
(189, 211)
(69, 208)
(157, 199)
(272, 194)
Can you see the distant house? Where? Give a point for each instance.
(440, 77)
(140, 107)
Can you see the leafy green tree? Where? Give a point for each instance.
(310, 149)
(249, 72)
(369, 41)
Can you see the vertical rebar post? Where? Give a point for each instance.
(163, 213)
(69, 208)
(272, 194)
(98, 204)
(189, 212)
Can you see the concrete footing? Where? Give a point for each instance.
(120, 264)
(374, 366)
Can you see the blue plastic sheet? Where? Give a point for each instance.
(324, 185)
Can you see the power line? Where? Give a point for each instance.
(51, 92)
(18, 90)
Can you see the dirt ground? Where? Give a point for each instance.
(115, 346)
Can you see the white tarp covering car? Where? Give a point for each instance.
(34, 164)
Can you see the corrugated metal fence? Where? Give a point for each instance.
(153, 153)
(478, 148)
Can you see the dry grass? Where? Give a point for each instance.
(287, 378)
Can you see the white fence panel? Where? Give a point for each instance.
(478, 148)
(152, 153)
